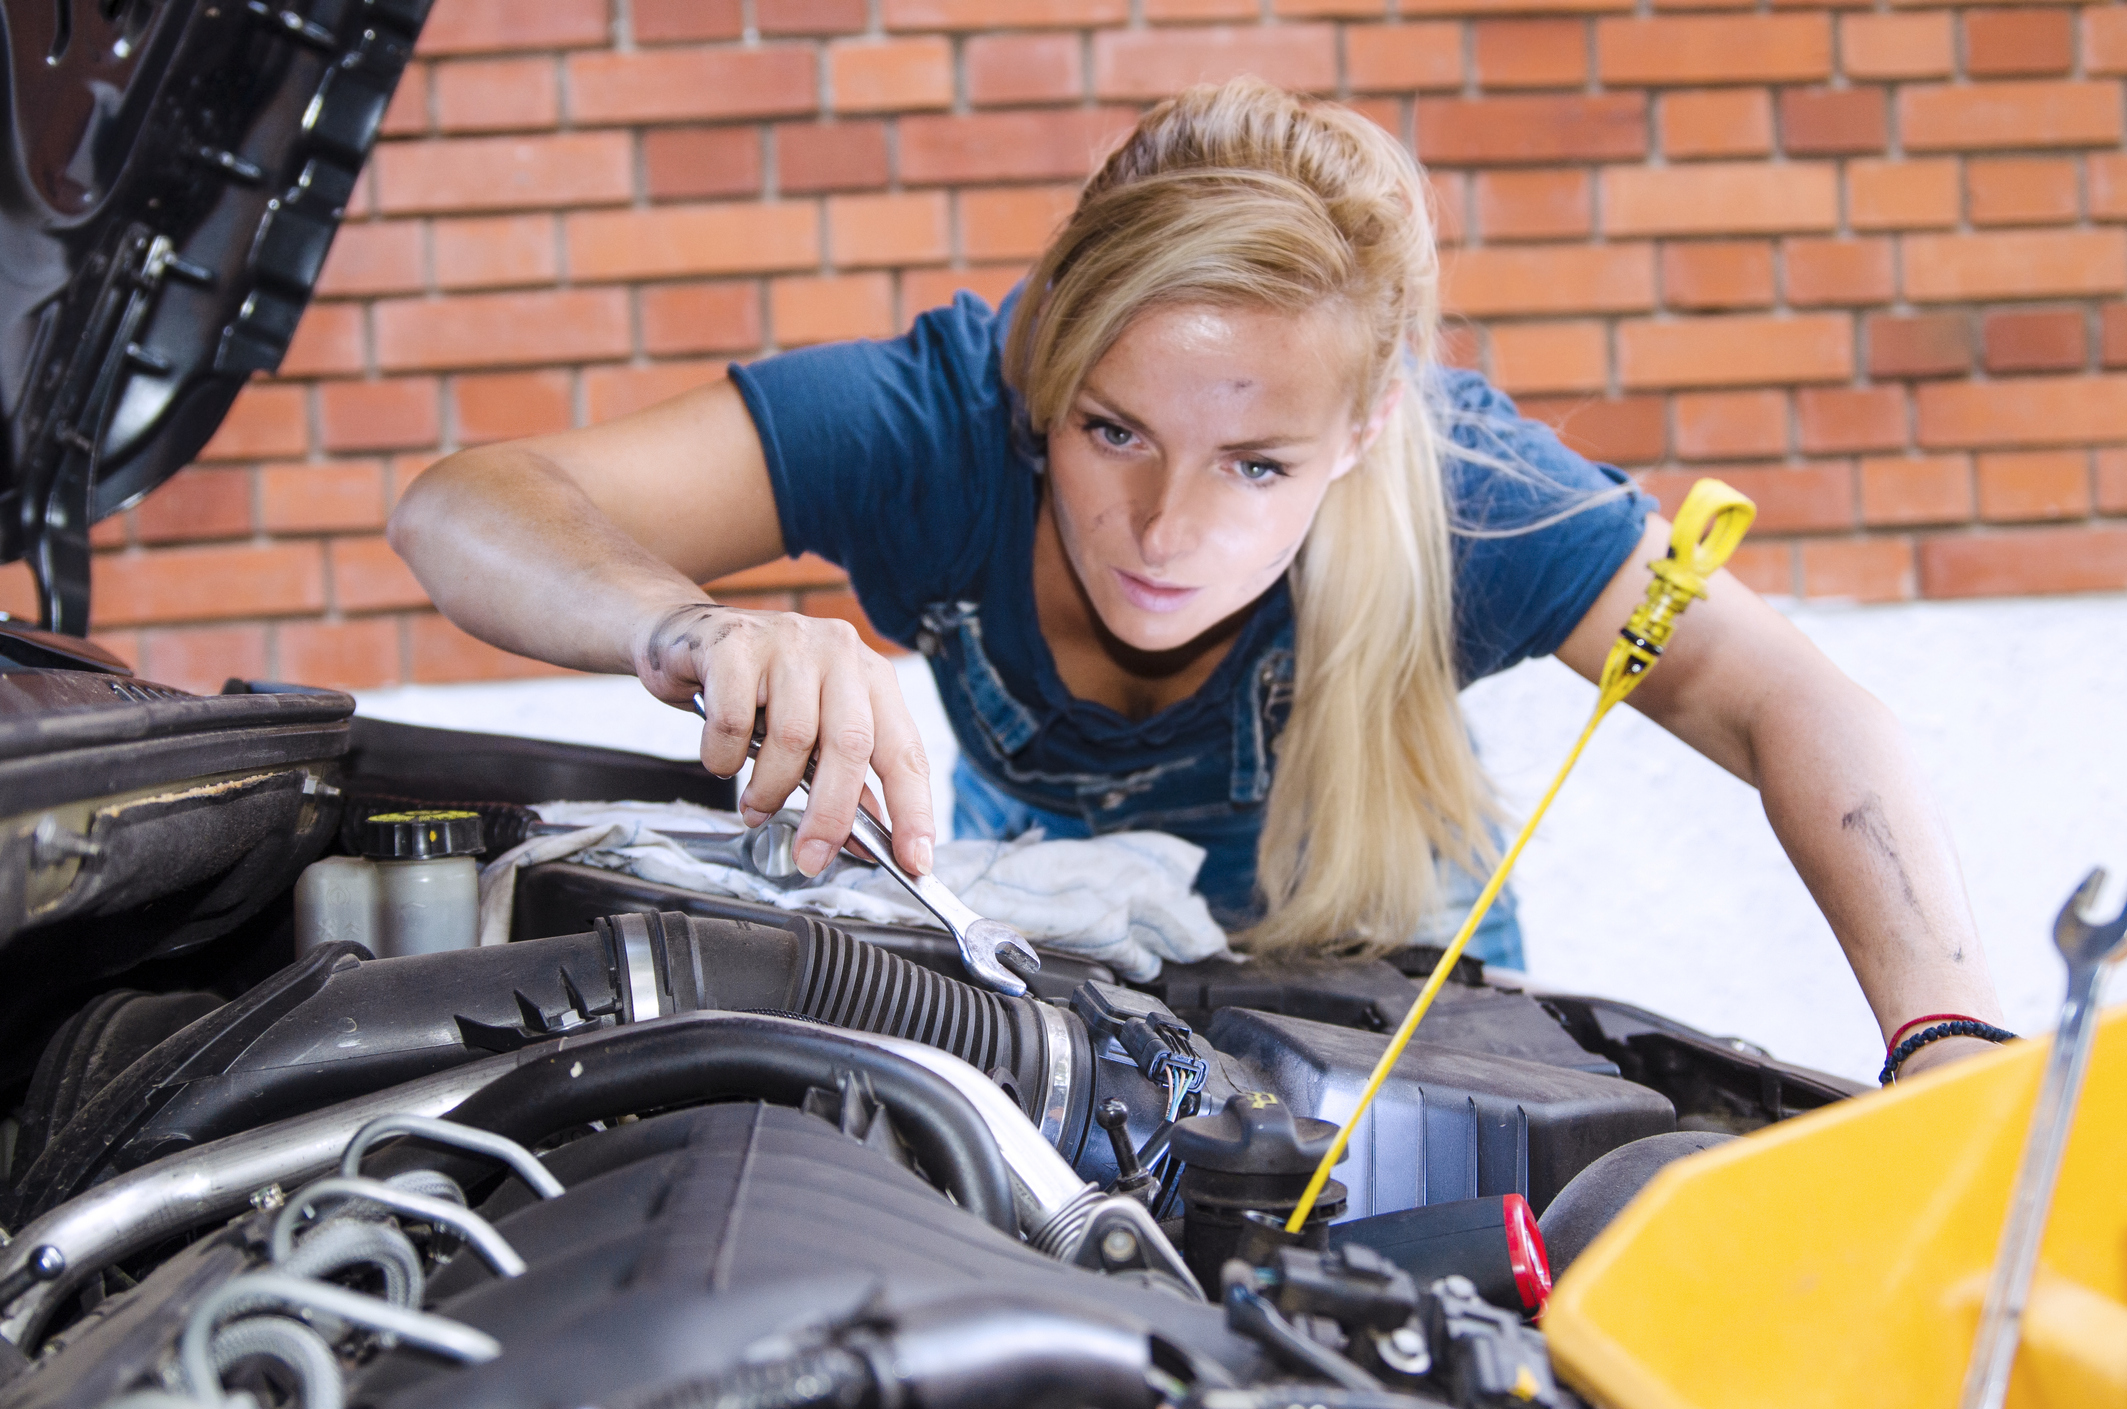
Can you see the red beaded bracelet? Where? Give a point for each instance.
(1929, 1018)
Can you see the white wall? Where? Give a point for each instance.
(1656, 878)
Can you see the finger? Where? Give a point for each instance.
(853, 846)
(729, 693)
(904, 772)
(838, 777)
(793, 728)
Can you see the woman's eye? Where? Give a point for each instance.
(1256, 471)
(1111, 435)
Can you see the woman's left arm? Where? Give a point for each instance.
(1840, 786)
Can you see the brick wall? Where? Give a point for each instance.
(1867, 263)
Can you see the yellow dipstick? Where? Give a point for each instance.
(1709, 525)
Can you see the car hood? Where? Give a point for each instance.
(175, 172)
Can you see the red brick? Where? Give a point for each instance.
(2020, 191)
(201, 503)
(2021, 264)
(439, 651)
(1004, 69)
(671, 241)
(1312, 9)
(2113, 335)
(1735, 350)
(2015, 114)
(338, 655)
(1731, 425)
(1009, 146)
(1840, 420)
(2030, 485)
(1532, 130)
(1001, 14)
(344, 494)
(265, 421)
(1817, 122)
(1539, 279)
(209, 584)
(2104, 39)
(1821, 272)
(870, 231)
(504, 173)
(506, 405)
(126, 645)
(1532, 53)
(1398, 58)
(2016, 563)
(2112, 481)
(1450, 206)
(682, 21)
(368, 576)
(329, 339)
(1901, 195)
(2107, 176)
(1151, 63)
(2034, 342)
(509, 329)
(373, 258)
(840, 156)
(1765, 568)
(810, 16)
(1904, 490)
(813, 310)
(890, 75)
(201, 659)
(1508, 7)
(1717, 123)
(1630, 430)
(394, 414)
(932, 288)
(1715, 49)
(1162, 12)
(112, 532)
(497, 95)
(1999, 43)
(1799, 499)
(495, 251)
(1533, 205)
(1553, 357)
(407, 115)
(1896, 46)
(843, 606)
(1014, 222)
(1724, 198)
(701, 163)
(712, 317)
(1932, 345)
(803, 572)
(1725, 274)
(2024, 411)
(620, 391)
(677, 85)
(480, 26)
(1858, 569)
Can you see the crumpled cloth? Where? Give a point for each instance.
(1124, 899)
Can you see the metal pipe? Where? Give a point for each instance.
(493, 1248)
(143, 1206)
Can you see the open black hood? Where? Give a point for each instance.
(174, 174)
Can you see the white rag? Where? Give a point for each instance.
(1124, 899)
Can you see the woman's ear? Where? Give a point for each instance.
(1363, 437)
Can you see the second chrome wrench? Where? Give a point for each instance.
(984, 943)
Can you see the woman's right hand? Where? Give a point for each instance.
(825, 693)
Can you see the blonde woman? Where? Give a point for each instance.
(1197, 536)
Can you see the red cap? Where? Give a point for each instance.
(1526, 1255)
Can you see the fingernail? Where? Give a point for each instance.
(923, 856)
(753, 815)
(813, 857)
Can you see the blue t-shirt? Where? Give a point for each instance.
(899, 462)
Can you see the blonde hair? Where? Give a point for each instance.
(1244, 195)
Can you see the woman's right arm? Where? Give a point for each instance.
(584, 548)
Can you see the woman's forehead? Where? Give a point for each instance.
(1296, 361)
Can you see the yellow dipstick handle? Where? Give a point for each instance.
(1709, 525)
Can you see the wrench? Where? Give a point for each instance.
(763, 851)
(2087, 946)
(986, 946)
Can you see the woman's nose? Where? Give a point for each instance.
(1168, 528)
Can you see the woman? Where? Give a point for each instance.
(1198, 537)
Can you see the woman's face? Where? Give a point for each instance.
(1187, 471)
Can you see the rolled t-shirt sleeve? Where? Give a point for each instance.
(1539, 530)
(883, 456)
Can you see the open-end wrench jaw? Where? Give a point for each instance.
(2082, 939)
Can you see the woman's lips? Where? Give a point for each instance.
(1150, 596)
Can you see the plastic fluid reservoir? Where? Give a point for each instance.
(336, 899)
(428, 889)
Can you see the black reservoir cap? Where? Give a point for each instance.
(421, 835)
(1255, 1134)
